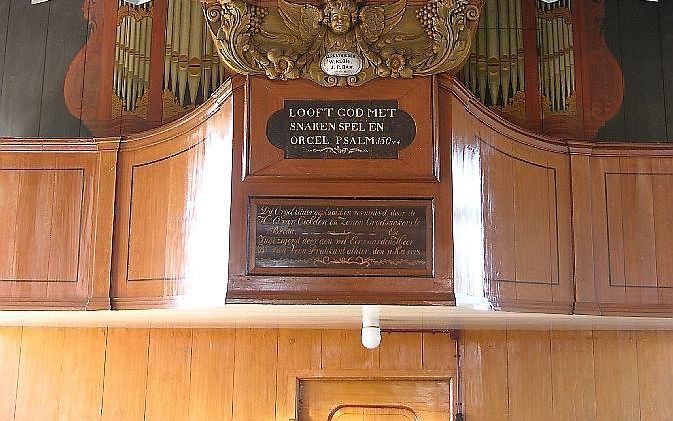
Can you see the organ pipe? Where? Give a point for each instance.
(494, 71)
(192, 69)
(130, 80)
(556, 59)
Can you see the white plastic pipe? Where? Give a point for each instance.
(371, 328)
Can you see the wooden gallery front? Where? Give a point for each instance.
(342, 210)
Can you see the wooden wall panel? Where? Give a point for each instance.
(82, 372)
(439, 351)
(255, 374)
(4, 27)
(171, 226)
(644, 114)
(655, 365)
(401, 351)
(211, 390)
(56, 229)
(627, 216)
(524, 259)
(168, 374)
(47, 209)
(10, 352)
(616, 376)
(159, 218)
(66, 34)
(530, 397)
(484, 375)
(125, 382)
(665, 25)
(340, 351)
(615, 128)
(38, 388)
(23, 76)
(559, 375)
(506, 375)
(298, 350)
(573, 383)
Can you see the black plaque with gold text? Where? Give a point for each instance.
(345, 129)
(368, 236)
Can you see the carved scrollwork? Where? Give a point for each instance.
(345, 42)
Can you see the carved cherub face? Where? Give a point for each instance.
(340, 21)
(340, 15)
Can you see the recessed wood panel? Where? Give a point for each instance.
(56, 223)
(630, 225)
(517, 250)
(522, 230)
(364, 399)
(42, 233)
(161, 191)
(172, 216)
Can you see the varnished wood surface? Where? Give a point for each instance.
(191, 374)
(562, 226)
(130, 374)
(521, 222)
(173, 194)
(415, 175)
(512, 197)
(557, 375)
(373, 400)
(56, 222)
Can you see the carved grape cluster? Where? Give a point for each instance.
(257, 15)
(427, 15)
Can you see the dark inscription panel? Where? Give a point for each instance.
(367, 236)
(364, 129)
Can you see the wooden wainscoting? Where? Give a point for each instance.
(193, 374)
(623, 229)
(242, 374)
(562, 375)
(172, 217)
(56, 222)
(512, 194)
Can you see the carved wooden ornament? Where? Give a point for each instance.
(345, 42)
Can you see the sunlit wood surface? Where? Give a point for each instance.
(250, 375)
(193, 374)
(560, 375)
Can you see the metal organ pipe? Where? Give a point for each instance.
(132, 54)
(556, 60)
(183, 49)
(495, 69)
(192, 69)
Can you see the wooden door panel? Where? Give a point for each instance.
(359, 413)
(375, 399)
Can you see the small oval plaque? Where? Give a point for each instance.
(341, 63)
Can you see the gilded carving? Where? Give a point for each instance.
(570, 110)
(345, 42)
(516, 106)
